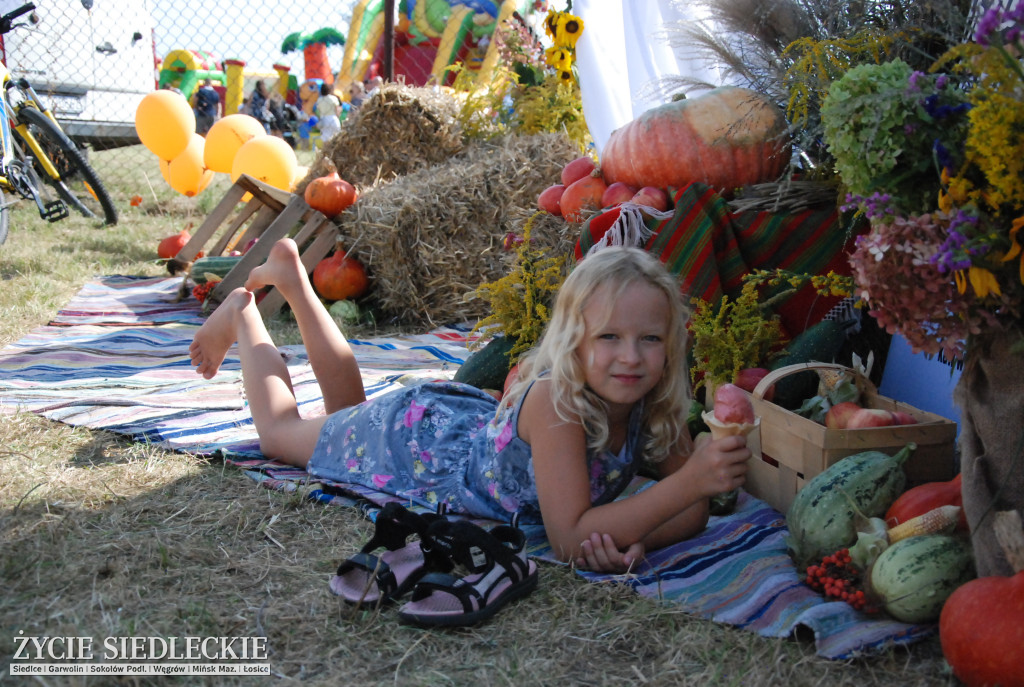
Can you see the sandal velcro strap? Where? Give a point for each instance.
(499, 573)
(381, 571)
(367, 576)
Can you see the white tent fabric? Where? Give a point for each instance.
(622, 53)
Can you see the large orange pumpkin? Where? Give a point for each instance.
(982, 631)
(725, 138)
(339, 278)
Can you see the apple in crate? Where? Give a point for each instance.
(870, 417)
(839, 415)
(902, 418)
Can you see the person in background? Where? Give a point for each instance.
(373, 86)
(356, 93)
(258, 104)
(328, 113)
(206, 102)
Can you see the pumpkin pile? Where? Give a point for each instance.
(727, 138)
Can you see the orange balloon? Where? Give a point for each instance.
(226, 136)
(267, 158)
(165, 123)
(186, 173)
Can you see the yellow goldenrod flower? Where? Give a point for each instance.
(983, 282)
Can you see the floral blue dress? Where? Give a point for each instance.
(443, 442)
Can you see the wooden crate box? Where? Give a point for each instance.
(790, 449)
(269, 215)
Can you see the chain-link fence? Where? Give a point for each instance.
(94, 60)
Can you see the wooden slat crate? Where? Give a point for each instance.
(790, 449)
(271, 214)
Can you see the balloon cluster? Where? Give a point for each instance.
(236, 144)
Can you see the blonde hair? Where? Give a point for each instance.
(610, 272)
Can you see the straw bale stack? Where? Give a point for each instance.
(430, 237)
(399, 130)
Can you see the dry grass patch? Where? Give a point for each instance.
(104, 537)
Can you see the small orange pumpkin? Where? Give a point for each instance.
(172, 245)
(330, 194)
(725, 138)
(339, 278)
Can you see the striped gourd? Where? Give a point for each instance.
(823, 516)
(219, 265)
(913, 578)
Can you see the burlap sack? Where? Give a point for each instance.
(990, 395)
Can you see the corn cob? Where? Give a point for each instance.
(936, 521)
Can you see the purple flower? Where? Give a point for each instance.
(988, 25)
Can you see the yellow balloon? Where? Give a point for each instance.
(267, 158)
(165, 123)
(186, 173)
(226, 136)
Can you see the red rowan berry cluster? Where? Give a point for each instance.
(838, 579)
(201, 291)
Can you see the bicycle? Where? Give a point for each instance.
(40, 162)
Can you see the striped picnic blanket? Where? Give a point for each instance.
(116, 358)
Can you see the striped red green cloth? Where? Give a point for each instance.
(710, 248)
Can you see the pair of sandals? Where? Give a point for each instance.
(499, 571)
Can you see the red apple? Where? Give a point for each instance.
(652, 197)
(902, 418)
(839, 415)
(550, 199)
(577, 169)
(619, 192)
(748, 379)
(870, 417)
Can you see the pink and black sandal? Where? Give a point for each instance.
(499, 572)
(369, 578)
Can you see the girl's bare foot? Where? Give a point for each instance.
(283, 269)
(215, 337)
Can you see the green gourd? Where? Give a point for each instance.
(487, 367)
(219, 265)
(822, 518)
(913, 578)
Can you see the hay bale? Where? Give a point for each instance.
(430, 237)
(399, 130)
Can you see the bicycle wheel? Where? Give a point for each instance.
(5, 217)
(79, 185)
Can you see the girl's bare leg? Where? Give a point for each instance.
(330, 356)
(283, 434)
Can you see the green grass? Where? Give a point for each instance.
(101, 536)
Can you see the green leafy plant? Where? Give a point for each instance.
(883, 123)
(521, 300)
(737, 334)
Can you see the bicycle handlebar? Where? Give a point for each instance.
(7, 21)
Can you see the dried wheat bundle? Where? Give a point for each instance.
(430, 237)
(399, 130)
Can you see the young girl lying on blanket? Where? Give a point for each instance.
(604, 389)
